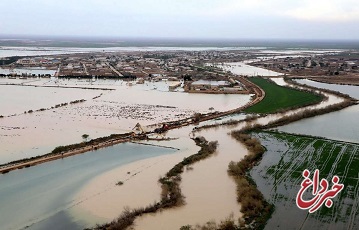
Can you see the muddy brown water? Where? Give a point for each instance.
(116, 111)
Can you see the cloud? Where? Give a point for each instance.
(230, 8)
(201, 18)
(308, 10)
(326, 10)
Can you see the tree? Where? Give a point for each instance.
(85, 137)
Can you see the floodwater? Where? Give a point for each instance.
(43, 51)
(229, 150)
(340, 125)
(84, 200)
(91, 196)
(51, 186)
(221, 120)
(33, 51)
(347, 89)
(210, 193)
(241, 68)
(278, 176)
(198, 209)
(29, 71)
(301, 51)
(115, 111)
(17, 99)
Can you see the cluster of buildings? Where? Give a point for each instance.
(45, 62)
(154, 64)
(190, 66)
(318, 65)
(230, 86)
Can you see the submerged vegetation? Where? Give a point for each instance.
(279, 98)
(279, 176)
(254, 206)
(227, 224)
(171, 195)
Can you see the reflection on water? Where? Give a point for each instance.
(340, 125)
(51, 186)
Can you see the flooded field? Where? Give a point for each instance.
(340, 125)
(278, 177)
(80, 191)
(20, 99)
(104, 113)
(43, 51)
(92, 196)
(347, 89)
(242, 68)
(30, 71)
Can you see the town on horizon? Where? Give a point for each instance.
(179, 115)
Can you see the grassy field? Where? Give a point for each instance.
(279, 175)
(279, 97)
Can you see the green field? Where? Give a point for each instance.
(279, 175)
(279, 97)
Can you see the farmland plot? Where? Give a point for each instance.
(279, 176)
(279, 98)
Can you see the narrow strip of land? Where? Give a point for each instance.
(121, 138)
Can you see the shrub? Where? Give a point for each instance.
(256, 210)
(59, 149)
(171, 194)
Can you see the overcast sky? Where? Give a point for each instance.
(285, 19)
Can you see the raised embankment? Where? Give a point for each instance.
(70, 150)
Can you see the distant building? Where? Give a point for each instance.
(204, 85)
(26, 61)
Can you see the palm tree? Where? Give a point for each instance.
(85, 136)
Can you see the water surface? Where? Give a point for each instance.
(116, 111)
(339, 125)
(51, 186)
(241, 68)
